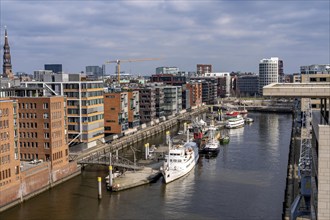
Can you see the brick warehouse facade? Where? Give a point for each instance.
(9, 151)
(34, 127)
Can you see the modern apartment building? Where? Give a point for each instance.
(38, 75)
(172, 100)
(55, 68)
(195, 91)
(185, 97)
(159, 101)
(133, 108)
(167, 70)
(9, 150)
(247, 85)
(43, 129)
(202, 69)
(84, 106)
(270, 71)
(209, 91)
(315, 69)
(96, 72)
(169, 79)
(223, 83)
(116, 112)
(147, 96)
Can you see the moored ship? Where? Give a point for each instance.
(236, 122)
(180, 160)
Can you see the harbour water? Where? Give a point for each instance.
(245, 181)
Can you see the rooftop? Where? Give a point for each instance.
(298, 90)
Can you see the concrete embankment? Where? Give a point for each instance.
(292, 182)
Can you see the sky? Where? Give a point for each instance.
(230, 35)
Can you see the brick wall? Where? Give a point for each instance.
(33, 181)
(65, 171)
(9, 194)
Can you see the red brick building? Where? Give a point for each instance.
(195, 90)
(9, 151)
(115, 112)
(43, 129)
(203, 68)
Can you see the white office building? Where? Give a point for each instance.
(270, 71)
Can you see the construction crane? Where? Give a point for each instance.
(128, 61)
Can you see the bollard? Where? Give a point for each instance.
(110, 177)
(99, 179)
(167, 137)
(146, 151)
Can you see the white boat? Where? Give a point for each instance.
(212, 145)
(181, 159)
(249, 120)
(236, 122)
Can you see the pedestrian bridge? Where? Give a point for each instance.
(101, 158)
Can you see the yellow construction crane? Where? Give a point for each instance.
(128, 61)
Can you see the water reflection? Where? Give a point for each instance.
(237, 132)
(178, 195)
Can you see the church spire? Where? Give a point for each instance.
(7, 68)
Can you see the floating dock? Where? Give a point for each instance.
(131, 179)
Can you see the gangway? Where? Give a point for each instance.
(100, 158)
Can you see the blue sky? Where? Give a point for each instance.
(231, 35)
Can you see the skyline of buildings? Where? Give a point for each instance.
(201, 69)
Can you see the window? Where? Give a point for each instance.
(45, 115)
(46, 125)
(46, 135)
(46, 145)
(45, 106)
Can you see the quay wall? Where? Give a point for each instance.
(292, 181)
(34, 181)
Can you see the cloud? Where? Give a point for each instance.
(230, 35)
